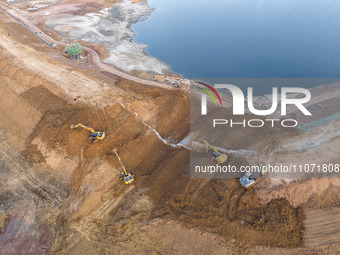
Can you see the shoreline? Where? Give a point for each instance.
(94, 55)
(109, 26)
(123, 52)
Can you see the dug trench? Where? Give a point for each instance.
(161, 173)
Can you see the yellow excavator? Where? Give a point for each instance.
(126, 175)
(95, 135)
(219, 157)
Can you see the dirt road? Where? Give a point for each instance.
(94, 55)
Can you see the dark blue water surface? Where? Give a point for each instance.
(244, 38)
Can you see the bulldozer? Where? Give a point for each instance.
(126, 175)
(216, 155)
(95, 135)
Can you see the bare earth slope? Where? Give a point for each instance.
(61, 194)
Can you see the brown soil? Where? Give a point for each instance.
(219, 207)
(72, 185)
(313, 193)
(236, 213)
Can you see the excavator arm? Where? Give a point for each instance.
(120, 161)
(126, 175)
(95, 135)
(83, 126)
(219, 157)
(208, 146)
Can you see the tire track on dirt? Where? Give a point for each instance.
(321, 227)
(32, 183)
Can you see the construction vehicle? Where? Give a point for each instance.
(126, 175)
(95, 135)
(248, 179)
(216, 155)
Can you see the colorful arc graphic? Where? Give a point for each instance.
(208, 92)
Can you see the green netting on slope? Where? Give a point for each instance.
(74, 49)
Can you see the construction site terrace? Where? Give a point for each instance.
(95, 159)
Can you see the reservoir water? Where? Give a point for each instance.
(244, 38)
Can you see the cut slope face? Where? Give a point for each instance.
(92, 198)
